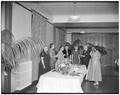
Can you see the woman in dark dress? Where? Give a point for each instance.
(80, 53)
(85, 57)
(75, 55)
(44, 65)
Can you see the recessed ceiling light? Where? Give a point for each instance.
(74, 17)
(82, 32)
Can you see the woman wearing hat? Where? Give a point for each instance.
(94, 67)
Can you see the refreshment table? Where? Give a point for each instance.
(54, 82)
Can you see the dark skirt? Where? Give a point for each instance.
(42, 70)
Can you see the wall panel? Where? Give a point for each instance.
(59, 38)
(49, 34)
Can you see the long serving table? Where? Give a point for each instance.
(54, 82)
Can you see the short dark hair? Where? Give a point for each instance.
(51, 44)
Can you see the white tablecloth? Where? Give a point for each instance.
(53, 82)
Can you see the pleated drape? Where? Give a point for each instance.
(38, 29)
(59, 38)
(39, 24)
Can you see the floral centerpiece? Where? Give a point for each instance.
(63, 67)
(76, 70)
(67, 68)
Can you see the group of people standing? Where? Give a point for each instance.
(80, 55)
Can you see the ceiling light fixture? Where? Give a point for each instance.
(74, 16)
(82, 32)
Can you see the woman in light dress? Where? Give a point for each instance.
(94, 67)
(60, 57)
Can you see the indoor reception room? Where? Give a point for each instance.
(59, 47)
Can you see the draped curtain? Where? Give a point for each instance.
(49, 33)
(59, 38)
(38, 29)
(39, 24)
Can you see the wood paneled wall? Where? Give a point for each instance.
(109, 40)
(59, 37)
(49, 34)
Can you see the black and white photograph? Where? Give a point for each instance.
(59, 47)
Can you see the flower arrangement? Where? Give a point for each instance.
(63, 67)
(76, 70)
(66, 68)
